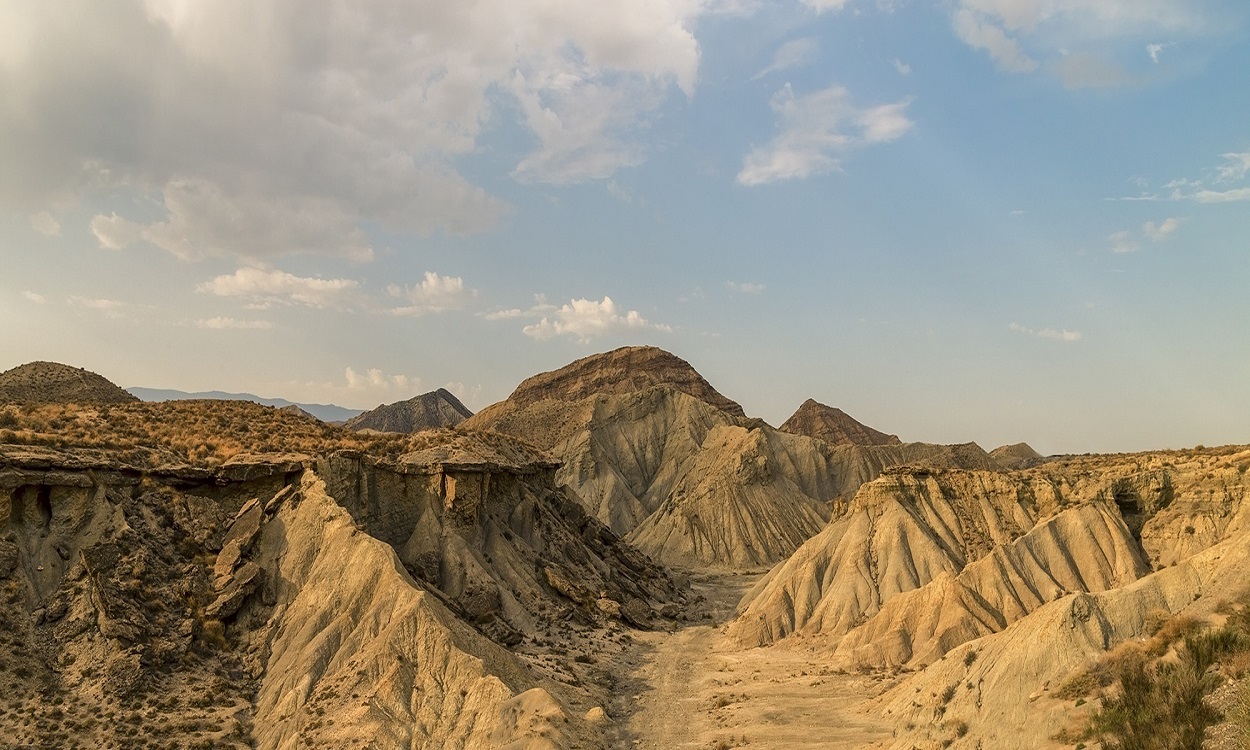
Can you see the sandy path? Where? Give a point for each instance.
(693, 689)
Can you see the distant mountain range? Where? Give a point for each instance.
(324, 412)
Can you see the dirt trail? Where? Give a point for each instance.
(692, 688)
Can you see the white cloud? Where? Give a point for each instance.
(1154, 49)
(1122, 242)
(746, 287)
(1016, 33)
(38, 299)
(434, 294)
(111, 308)
(222, 323)
(1222, 196)
(266, 287)
(814, 129)
(585, 319)
(276, 127)
(824, 6)
(113, 232)
(1047, 333)
(43, 223)
(979, 33)
(902, 67)
(1235, 167)
(1163, 230)
(359, 388)
(796, 53)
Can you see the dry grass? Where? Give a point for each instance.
(1156, 691)
(200, 432)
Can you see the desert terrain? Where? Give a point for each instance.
(615, 556)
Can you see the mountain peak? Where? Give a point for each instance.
(624, 370)
(437, 408)
(833, 425)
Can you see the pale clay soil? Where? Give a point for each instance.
(694, 688)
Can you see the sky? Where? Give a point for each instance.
(957, 220)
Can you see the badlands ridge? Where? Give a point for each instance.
(614, 556)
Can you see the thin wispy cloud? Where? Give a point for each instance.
(1218, 184)
(796, 53)
(814, 130)
(232, 324)
(1074, 38)
(44, 224)
(744, 287)
(1053, 334)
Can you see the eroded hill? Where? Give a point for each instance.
(446, 594)
(429, 411)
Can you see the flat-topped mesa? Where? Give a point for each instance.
(425, 412)
(55, 383)
(625, 370)
(463, 467)
(833, 425)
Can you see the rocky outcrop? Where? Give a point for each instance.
(53, 383)
(835, 426)
(278, 601)
(425, 412)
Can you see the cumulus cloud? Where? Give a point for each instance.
(44, 224)
(903, 68)
(224, 323)
(796, 53)
(38, 299)
(1047, 333)
(814, 129)
(1162, 230)
(745, 287)
(374, 379)
(267, 287)
(286, 127)
(434, 294)
(585, 319)
(358, 388)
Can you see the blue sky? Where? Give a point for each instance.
(989, 220)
